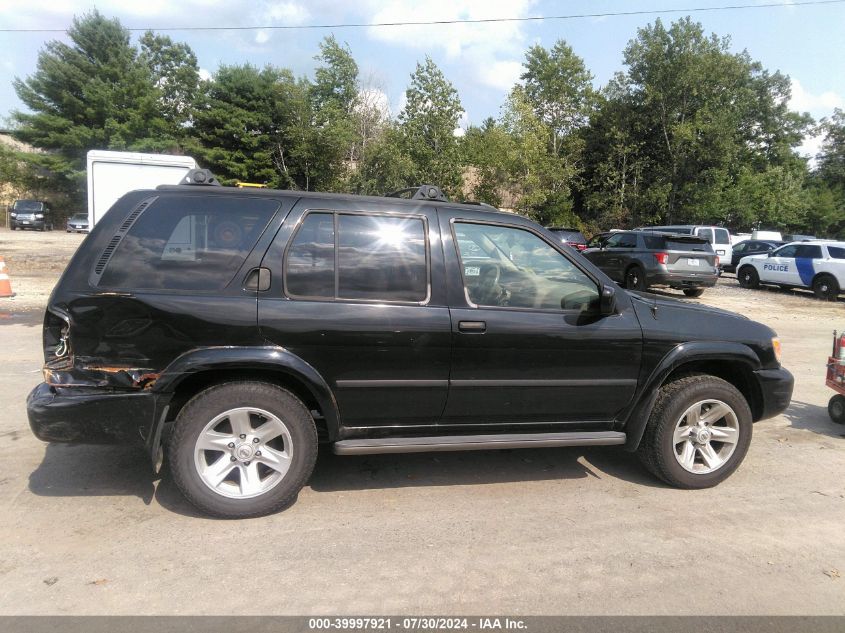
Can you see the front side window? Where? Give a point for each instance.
(786, 251)
(519, 270)
(622, 240)
(740, 248)
(188, 243)
(364, 257)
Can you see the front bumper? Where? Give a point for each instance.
(90, 416)
(776, 389)
(28, 224)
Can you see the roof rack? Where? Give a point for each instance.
(480, 204)
(202, 177)
(422, 192)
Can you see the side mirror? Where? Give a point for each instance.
(607, 301)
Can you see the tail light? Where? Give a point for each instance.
(581, 247)
(717, 261)
(662, 258)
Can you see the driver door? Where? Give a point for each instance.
(525, 347)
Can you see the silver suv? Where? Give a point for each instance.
(639, 260)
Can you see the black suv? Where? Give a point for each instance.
(31, 214)
(233, 330)
(639, 260)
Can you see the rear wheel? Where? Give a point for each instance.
(693, 292)
(698, 432)
(242, 449)
(826, 287)
(635, 278)
(836, 409)
(748, 277)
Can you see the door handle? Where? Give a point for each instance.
(472, 327)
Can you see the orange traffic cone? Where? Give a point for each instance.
(5, 283)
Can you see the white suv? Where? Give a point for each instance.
(818, 265)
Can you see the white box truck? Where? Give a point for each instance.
(112, 174)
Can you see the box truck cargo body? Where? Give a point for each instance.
(112, 174)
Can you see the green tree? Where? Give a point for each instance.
(90, 93)
(175, 73)
(428, 122)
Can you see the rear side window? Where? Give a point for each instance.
(365, 257)
(836, 252)
(809, 251)
(654, 242)
(188, 243)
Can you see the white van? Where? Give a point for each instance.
(718, 236)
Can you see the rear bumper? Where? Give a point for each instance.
(776, 388)
(682, 280)
(90, 416)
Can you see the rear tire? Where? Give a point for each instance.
(686, 448)
(836, 409)
(826, 288)
(748, 277)
(635, 278)
(693, 292)
(242, 449)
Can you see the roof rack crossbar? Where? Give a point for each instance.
(422, 192)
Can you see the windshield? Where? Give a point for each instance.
(570, 236)
(80, 217)
(28, 205)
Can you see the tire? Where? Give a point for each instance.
(693, 292)
(826, 288)
(662, 452)
(748, 277)
(223, 415)
(635, 278)
(836, 409)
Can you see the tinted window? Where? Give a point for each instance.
(381, 257)
(654, 242)
(689, 244)
(722, 236)
(310, 258)
(707, 234)
(188, 243)
(786, 251)
(836, 252)
(740, 248)
(28, 205)
(622, 240)
(809, 251)
(521, 271)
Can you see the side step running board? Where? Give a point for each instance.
(476, 442)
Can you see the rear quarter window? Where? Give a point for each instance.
(836, 252)
(188, 243)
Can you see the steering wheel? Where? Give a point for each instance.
(488, 288)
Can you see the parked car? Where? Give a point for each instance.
(31, 214)
(78, 223)
(718, 236)
(572, 237)
(818, 265)
(233, 330)
(639, 260)
(749, 247)
(795, 237)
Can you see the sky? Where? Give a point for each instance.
(483, 61)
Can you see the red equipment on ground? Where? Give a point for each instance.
(836, 379)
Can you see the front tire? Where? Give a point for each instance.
(693, 292)
(698, 432)
(635, 278)
(826, 288)
(748, 277)
(242, 449)
(836, 409)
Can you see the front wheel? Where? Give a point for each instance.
(693, 292)
(242, 449)
(698, 432)
(826, 288)
(635, 278)
(836, 409)
(748, 277)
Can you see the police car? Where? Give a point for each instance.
(817, 264)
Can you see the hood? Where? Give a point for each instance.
(651, 300)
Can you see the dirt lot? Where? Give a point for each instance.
(89, 530)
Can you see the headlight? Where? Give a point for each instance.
(776, 347)
(39, 216)
(14, 215)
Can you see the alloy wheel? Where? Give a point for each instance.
(705, 436)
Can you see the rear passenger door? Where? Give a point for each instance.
(358, 293)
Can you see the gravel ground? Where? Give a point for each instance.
(89, 530)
